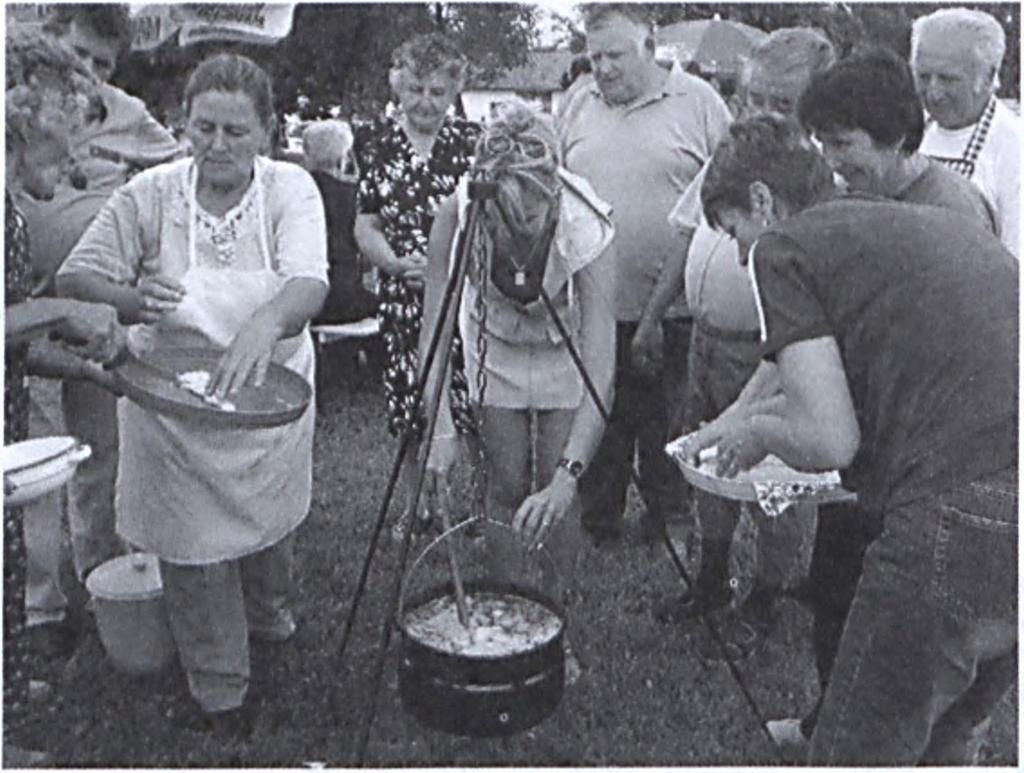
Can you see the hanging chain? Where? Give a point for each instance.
(481, 264)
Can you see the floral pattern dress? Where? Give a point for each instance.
(17, 287)
(405, 190)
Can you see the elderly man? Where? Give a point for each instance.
(956, 54)
(724, 349)
(639, 134)
(121, 138)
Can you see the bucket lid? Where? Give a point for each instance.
(37, 451)
(135, 577)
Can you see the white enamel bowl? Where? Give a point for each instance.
(34, 468)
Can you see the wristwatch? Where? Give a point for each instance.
(573, 466)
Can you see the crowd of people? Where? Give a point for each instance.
(829, 275)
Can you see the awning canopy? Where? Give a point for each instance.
(263, 23)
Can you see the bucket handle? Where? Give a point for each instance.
(542, 551)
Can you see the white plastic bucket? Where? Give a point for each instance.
(128, 601)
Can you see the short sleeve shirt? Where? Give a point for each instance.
(640, 158)
(144, 227)
(402, 188)
(940, 187)
(718, 290)
(923, 305)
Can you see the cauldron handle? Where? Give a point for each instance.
(541, 551)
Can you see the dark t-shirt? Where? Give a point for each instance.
(923, 305)
(940, 187)
(347, 300)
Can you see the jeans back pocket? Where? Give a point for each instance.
(976, 555)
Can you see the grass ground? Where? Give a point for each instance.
(645, 698)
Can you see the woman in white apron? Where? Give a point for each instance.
(225, 249)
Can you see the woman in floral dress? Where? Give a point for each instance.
(408, 164)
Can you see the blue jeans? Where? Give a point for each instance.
(930, 645)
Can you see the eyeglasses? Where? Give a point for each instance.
(500, 144)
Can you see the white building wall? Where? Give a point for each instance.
(477, 103)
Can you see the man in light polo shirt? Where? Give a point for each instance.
(639, 135)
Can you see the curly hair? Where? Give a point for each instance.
(518, 148)
(871, 90)
(428, 52)
(769, 149)
(49, 90)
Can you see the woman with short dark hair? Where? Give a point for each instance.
(866, 113)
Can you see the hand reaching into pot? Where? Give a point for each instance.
(540, 512)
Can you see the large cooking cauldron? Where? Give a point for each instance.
(477, 695)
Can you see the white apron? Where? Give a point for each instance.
(197, 495)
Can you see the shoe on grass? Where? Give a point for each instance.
(233, 724)
(789, 737)
(282, 630)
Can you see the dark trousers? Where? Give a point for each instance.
(644, 416)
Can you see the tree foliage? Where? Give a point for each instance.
(849, 24)
(339, 53)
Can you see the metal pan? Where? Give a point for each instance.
(821, 488)
(151, 382)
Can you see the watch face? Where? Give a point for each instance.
(574, 466)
